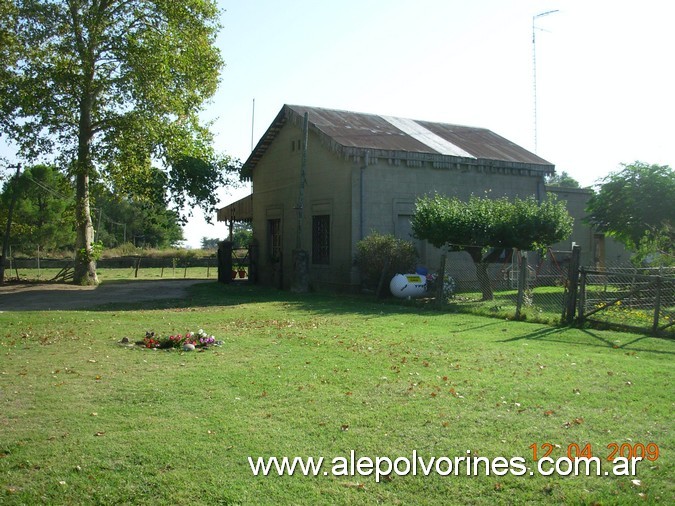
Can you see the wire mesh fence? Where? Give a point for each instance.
(641, 299)
(550, 288)
(543, 278)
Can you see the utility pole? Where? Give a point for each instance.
(8, 227)
(534, 67)
(303, 172)
(300, 279)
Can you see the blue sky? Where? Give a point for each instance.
(604, 73)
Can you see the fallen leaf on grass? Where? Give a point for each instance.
(636, 483)
(100, 433)
(576, 421)
(548, 412)
(354, 485)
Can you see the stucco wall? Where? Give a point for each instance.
(596, 249)
(327, 191)
(362, 195)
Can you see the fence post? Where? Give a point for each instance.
(522, 283)
(582, 296)
(138, 264)
(441, 282)
(657, 305)
(225, 262)
(572, 288)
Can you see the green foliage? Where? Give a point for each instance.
(145, 223)
(113, 87)
(482, 222)
(563, 180)
(374, 252)
(210, 243)
(633, 201)
(657, 247)
(243, 235)
(91, 254)
(43, 213)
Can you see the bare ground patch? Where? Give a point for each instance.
(54, 296)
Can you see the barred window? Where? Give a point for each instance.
(321, 239)
(274, 237)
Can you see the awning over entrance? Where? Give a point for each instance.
(241, 210)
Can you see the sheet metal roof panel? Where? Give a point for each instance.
(350, 132)
(484, 143)
(359, 130)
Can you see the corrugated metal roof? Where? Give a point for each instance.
(352, 133)
(241, 210)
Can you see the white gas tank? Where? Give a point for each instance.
(408, 285)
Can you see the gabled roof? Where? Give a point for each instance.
(355, 134)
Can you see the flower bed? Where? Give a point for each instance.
(188, 341)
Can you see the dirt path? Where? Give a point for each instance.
(45, 297)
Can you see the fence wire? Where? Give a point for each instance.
(543, 285)
(627, 297)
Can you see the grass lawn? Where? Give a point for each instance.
(84, 420)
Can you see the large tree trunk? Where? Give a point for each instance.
(85, 261)
(481, 272)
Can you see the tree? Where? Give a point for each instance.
(482, 223)
(210, 243)
(563, 180)
(657, 247)
(242, 236)
(128, 220)
(113, 87)
(633, 201)
(43, 213)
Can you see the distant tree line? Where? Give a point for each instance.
(43, 217)
(242, 235)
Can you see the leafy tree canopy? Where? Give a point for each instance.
(478, 224)
(634, 201)
(482, 223)
(121, 220)
(43, 213)
(113, 89)
(563, 180)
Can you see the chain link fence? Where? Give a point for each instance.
(551, 288)
(519, 286)
(626, 297)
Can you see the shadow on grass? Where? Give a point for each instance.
(199, 293)
(586, 337)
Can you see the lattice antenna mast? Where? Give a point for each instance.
(534, 67)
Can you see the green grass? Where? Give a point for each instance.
(84, 420)
(543, 306)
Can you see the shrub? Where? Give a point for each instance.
(373, 253)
